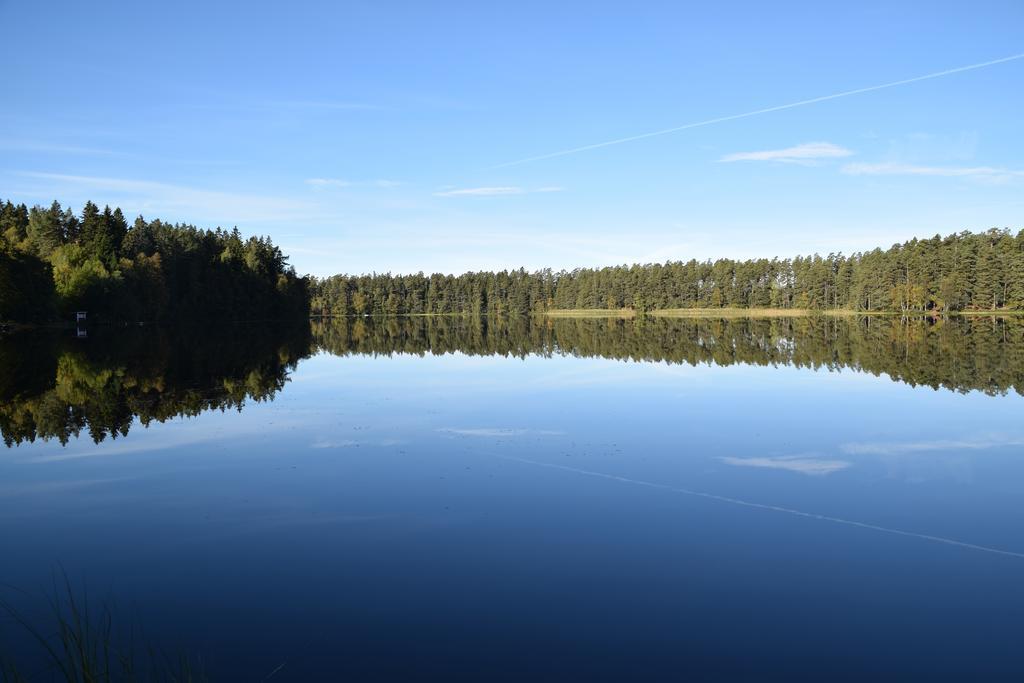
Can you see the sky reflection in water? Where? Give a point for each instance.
(463, 515)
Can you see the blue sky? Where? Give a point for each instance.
(377, 136)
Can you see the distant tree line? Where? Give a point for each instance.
(53, 262)
(964, 271)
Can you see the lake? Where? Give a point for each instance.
(818, 498)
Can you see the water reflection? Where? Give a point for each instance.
(961, 354)
(394, 501)
(56, 386)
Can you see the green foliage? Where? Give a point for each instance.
(45, 231)
(156, 271)
(13, 224)
(26, 287)
(148, 272)
(82, 281)
(983, 271)
(507, 292)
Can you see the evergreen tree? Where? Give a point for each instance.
(45, 230)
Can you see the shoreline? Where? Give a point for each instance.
(767, 313)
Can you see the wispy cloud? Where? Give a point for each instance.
(328, 182)
(187, 202)
(321, 444)
(58, 486)
(480, 192)
(893, 168)
(806, 152)
(341, 182)
(766, 110)
(901, 447)
(486, 431)
(52, 148)
(766, 507)
(498, 432)
(321, 104)
(327, 443)
(494, 191)
(811, 466)
(189, 434)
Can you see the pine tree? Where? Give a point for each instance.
(91, 234)
(45, 230)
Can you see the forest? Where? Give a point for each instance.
(54, 262)
(961, 272)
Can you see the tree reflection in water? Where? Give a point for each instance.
(56, 386)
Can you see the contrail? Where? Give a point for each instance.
(733, 117)
(764, 506)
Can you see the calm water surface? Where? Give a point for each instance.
(448, 499)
